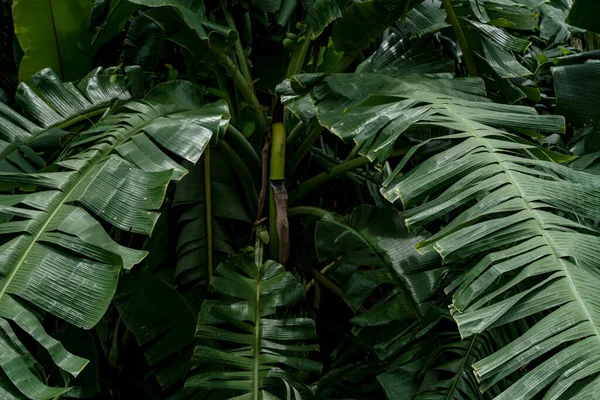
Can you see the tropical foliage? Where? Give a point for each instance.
(283, 199)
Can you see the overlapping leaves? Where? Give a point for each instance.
(55, 254)
(257, 349)
(51, 107)
(525, 222)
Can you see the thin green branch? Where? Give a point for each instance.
(307, 211)
(246, 88)
(244, 176)
(239, 50)
(295, 133)
(304, 147)
(323, 271)
(239, 141)
(299, 55)
(354, 151)
(460, 36)
(208, 216)
(309, 185)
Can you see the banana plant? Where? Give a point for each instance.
(58, 256)
(440, 176)
(246, 346)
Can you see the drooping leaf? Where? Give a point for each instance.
(256, 346)
(377, 249)
(582, 15)
(577, 97)
(192, 15)
(161, 321)
(321, 14)
(53, 34)
(112, 15)
(426, 18)
(145, 44)
(228, 211)
(52, 106)
(55, 254)
(553, 26)
(363, 21)
(524, 226)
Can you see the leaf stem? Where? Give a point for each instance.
(239, 50)
(307, 186)
(246, 88)
(307, 211)
(242, 145)
(299, 55)
(295, 133)
(244, 176)
(304, 147)
(208, 204)
(323, 271)
(460, 36)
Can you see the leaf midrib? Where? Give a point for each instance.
(65, 124)
(412, 303)
(513, 182)
(257, 332)
(56, 41)
(69, 190)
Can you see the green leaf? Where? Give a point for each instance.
(55, 254)
(553, 26)
(363, 21)
(54, 34)
(426, 18)
(228, 222)
(377, 240)
(116, 13)
(570, 82)
(145, 43)
(376, 109)
(161, 321)
(321, 14)
(192, 15)
(582, 15)
(50, 106)
(255, 342)
(524, 227)
(271, 6)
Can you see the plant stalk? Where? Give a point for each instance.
(307, 186)
(239, 50)
(295, 133)
(460, 36)
(246, 88)
(307, 211)
(244, 176)
(276, 174)
(242, 145)
(208, 216)
(299, 55)
(305, 146)
(323, 271)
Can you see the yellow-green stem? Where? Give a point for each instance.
(277, 163)
(323, 271)
(276, 173)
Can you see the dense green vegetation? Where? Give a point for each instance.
(284, 199)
